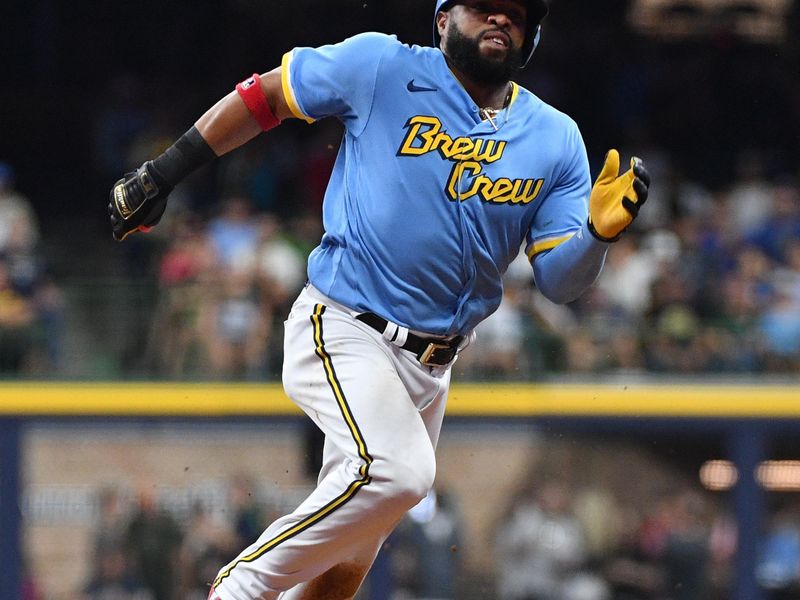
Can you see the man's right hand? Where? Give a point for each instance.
(137, 201)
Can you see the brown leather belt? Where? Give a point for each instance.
(431, 352)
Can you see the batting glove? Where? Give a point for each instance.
(615, 200)
(137, 201)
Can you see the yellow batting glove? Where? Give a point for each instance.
(615, 200)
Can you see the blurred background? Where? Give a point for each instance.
(704, 289)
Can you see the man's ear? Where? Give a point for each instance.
(441, 22)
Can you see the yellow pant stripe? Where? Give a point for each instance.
(316, 318)
(363, 453)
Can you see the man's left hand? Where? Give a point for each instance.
(615, 200)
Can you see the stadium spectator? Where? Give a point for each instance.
(786, 277)
(778, 569)
(235, 232)
(425, 549)
(176, 345)
(280, 264)
(629, 571)
(17, 321)
(540, 550)
(497, 352)
(153, 541)
(686, 552)
(206, 545)
(750, 196)
(781, 226)
(110, 532)
(237, 325)
(114, 580)
(19, 228)
(248, 516)
(627, 278)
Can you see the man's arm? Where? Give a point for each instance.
(565, 272)
(230, 124)
(139, 199)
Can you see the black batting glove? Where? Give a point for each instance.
(137, 201)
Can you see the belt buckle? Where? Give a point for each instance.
(428, 356)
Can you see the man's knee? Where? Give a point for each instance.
(404, 483)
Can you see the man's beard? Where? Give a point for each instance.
(465, 54)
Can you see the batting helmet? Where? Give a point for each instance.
(537, 10)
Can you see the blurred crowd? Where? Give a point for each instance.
(141, 551)
(577, 527)
(31, 305)
(580, 528)
(224, 288)
(708, 281)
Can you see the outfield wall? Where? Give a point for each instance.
(477, 400)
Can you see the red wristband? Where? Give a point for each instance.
(256, 102)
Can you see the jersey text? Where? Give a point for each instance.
(425, 135)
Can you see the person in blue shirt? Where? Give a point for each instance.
(446, 171)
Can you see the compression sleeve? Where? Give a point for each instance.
(563, 273)
(566, 206)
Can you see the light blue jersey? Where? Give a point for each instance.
(428, 204)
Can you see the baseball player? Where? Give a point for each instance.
(446, 170)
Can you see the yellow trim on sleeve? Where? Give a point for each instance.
(288, 92)
(547, 244)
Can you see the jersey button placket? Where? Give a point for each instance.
(466, 249)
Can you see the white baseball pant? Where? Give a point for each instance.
(381, 412)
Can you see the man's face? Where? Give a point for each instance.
(483, 38)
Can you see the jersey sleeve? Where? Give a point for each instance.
(566, 206)
(336, 80)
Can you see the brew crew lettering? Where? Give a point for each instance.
(425, 135)
(433, 138)
(499, 191)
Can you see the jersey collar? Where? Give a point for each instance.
(472, 108)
